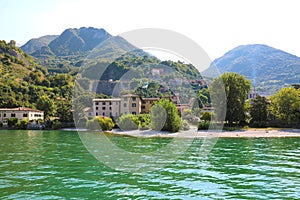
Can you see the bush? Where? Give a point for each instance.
(258, 124)
(105, 123)
(12, 122)
(56, 124)
(185, 125)
(204, 125)
(22, 124)
(206, 116)
(144, 121)
(128, 122)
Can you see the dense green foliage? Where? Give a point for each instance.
(128, 122)
(285, 105)
(100, 123)
(236, 90)
(23, 83)
(259, 112)
(164, 116)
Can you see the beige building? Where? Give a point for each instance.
(131, 104)
(106, 107)
(20, 113)
(147, 103)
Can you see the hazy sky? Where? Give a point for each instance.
(217, 26)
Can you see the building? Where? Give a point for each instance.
(131, 104)
(20, 113)
(107, 107)
(147, 103)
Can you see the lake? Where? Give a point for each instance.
(56, 165)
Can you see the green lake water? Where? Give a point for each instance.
(56, 165)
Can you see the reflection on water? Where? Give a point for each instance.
(55, 165)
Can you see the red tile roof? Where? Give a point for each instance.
(20, 108)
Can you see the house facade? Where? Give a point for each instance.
(147, 103)
(107, 107)
(20, 113)
(131, 104)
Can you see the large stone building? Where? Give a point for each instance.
(131, 104)
(128, 104)
(20, 113)
(107, 107)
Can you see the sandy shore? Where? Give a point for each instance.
(193, 133)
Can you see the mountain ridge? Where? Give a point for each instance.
(268, 68)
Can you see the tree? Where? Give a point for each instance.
(236, 89)
(64, 113)
(47, 105)
(259, 111)
(285, 105)
(165, 114)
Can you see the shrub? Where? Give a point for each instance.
(185, 125)
(56, 124)
(22, 124)
(105, 123)
(144, 121)
(128, 122)
(12, 122)
(203, 125)
(206, 116)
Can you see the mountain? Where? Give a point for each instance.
(268, 68)
(37, 43)
(76, 41)
(74, 47)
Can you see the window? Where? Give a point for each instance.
(110, 114)
(13, 115)
(110, 103)
(143, 107)
(143, 102)
(134, 113)
(103, 108)
(103, 114)
(96, 108)
(125, 105)
(4, 115)
(109, 108)
(25, 115)
(0, 115)
(96, 114)
(133, 105)
(96, 103)
(103, 103)
(133, 98)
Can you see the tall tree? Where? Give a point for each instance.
(47, 105)
(259, 111)
(233, 89)
(285, 105)
(164, 116)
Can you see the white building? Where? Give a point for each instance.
(20, 113)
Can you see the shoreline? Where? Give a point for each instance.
(193, 133)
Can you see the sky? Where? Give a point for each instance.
(216, 25)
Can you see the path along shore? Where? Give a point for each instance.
(193, 133)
